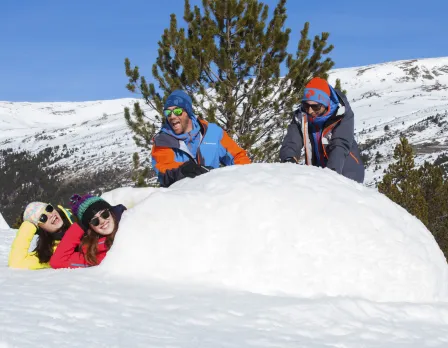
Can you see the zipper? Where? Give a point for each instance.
(325, 132)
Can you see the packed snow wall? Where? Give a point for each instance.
(278, 229)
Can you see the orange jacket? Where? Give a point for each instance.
(215, 148)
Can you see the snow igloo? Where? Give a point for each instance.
(278, 229)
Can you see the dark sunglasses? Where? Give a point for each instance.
(314, 107)
(44, 217)
(176, 112)
(96, 220)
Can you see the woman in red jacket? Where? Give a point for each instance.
(88, 246)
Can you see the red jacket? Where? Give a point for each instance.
(65, 255)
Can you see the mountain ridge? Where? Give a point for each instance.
(405, 97)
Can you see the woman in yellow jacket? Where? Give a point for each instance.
(49, 224)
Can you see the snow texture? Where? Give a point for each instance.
(282, 229)
(3, 223)
(254, 256)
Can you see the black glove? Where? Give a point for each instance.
(191, 169)
(290, 160)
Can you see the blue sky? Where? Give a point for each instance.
(72, 50)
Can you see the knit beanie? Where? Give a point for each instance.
(87, 206)
(33, 211)
(181, 99)
(317, 90)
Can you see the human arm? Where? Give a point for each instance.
(292, 143)
(19, 256)
(230, 153)
(167, 169)
(65, 255)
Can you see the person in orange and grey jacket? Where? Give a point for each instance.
(324, 126)
(188, 147)
(49, 224)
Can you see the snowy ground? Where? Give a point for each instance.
(142, 296)
(3, 224)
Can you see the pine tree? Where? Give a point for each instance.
(435, 189)
(421, 191)
(229, 58)
(338, 85)
(139, 175)
(401, 182)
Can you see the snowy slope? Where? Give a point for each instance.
(229, 260)
(91, 130)
(3, 223)
(399, 95)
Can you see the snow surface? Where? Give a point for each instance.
(128, 196)
(229, 259)
(3, 223)
(280, 228)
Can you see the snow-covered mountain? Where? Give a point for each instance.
(405, 97)
(89, 131)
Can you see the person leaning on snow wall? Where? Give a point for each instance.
(50, 224)
(324, 126)
(188, 147)
(88, 245)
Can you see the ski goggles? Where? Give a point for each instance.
(96, 220)
(314, 107)
(176, 112)
(44, 217)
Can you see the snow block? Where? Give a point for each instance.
(280, 229)
(128, 196)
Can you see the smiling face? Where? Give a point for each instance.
(106, 224)
(180, 124)
(53, 223)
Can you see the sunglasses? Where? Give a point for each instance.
(44, 217)
(176, 112)
(96, 220)
(314, 107)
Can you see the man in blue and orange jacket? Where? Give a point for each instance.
(188, 147)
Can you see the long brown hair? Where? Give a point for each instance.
(45, 242)
(89, 244)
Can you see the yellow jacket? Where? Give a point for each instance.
(19, 256)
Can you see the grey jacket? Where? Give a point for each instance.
(338, 143)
